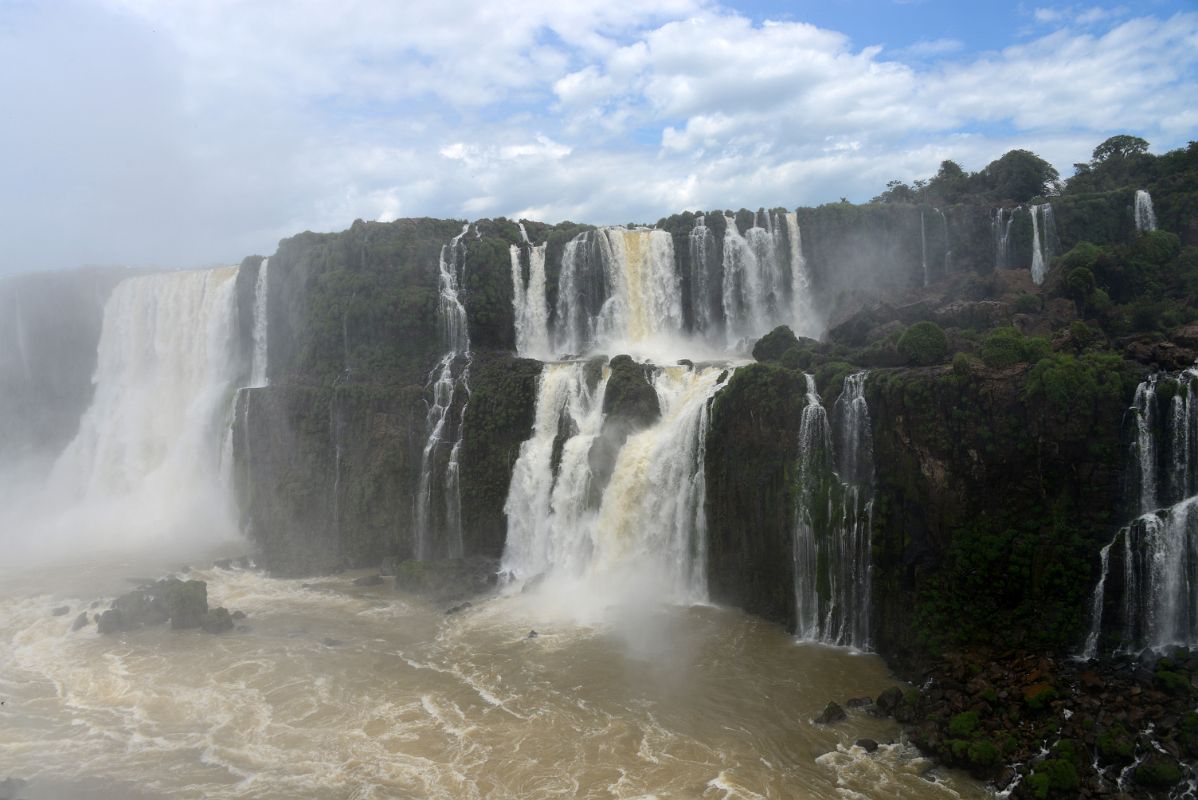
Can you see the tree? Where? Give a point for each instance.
(948, 185)
(1019, 176)
(1121, 146)
(896, 192)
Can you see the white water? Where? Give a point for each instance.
(620, 291)
(1144, 215)
(259, 364)
(416, 704)
(1159, 554)
(648, 534)
(528, 298)
(1001, 227)
(834, 518)
(145, 465)
(434, 536)
(1042, 232)
(923, 246)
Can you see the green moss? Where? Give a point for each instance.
(1038, 697)
(1115, 745)
(984, 754)
(1177, 683)
(1057, 778)
(964, 724)
(774, 344)
(1157, 771)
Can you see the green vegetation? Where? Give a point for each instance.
(923, 344)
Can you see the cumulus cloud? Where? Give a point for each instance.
(198, 131)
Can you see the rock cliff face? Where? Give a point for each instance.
(996, 477)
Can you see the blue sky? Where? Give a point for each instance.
(195, 132)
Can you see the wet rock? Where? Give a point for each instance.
(889, 700)
(859, 702)
(329, 641)
(223, 563)
(459, 608)
(186, 602)
(447, 581)
(533, 634)
(868, 745)
(61, 611)
(1157, 771)
(80, 621)
(388, 567)
(831, 713)
(217, 620)
(369, 580)
(111, 621)
(238, 615)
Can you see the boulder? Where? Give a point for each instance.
(868, 745)
(831, 713)
(80, 621)
(111, 621)
(369, 580)
(61, 611)
(217, 620)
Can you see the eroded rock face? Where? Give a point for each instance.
(447, 581)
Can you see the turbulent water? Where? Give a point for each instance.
(1000, 227)
(1147, 593)
(336, 691)
(645, 530)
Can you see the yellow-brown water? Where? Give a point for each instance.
(341, 692)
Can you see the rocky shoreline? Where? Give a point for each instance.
(1039, 727)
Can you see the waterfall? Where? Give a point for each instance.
(258, 364)
(948, 253)
(804, 320)
(700, 278)
(1158, 595)
(450, 392)
(619, 287)
(146, 461)
(650, 520)
(528, 298)
(1043, 240)
(1001, 227)
(1144, 215)
(834, 517)
(765, 277)
(923, 246)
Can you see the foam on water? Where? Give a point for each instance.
(414, 703)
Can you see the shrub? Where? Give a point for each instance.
(924, 343)
(1002, 348)
(964, 724)
(1028, 303)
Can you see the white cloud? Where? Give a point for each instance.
(203, 130)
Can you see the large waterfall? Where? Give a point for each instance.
(833, 519)
(145, 464)
(647, 528)
(1145, 217)
(622, 290)
(1147, 595)
(450, 387)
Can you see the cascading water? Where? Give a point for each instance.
(258, 364)
(948, 253)
(923, 246)
(1000, 226)
(145, 464)
(702, 308)
(450, 390)
(620, 288)
(1153, 599)
(1144, 215)
(650, 520)
(528, 298)
(1043, 237)
(834, 518)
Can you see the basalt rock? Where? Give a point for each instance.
(183, 603)
(448, 580)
